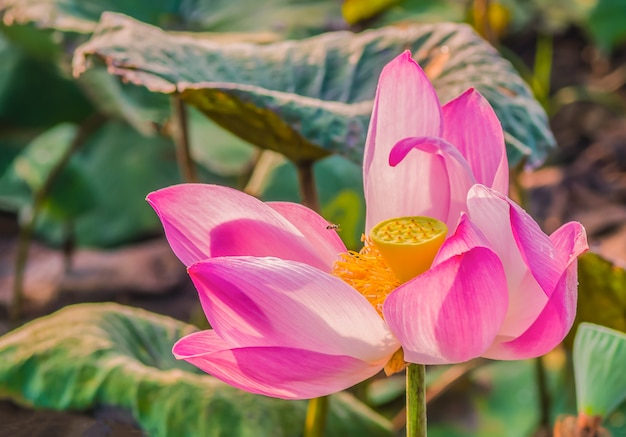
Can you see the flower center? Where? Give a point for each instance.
(409, 244)
(367, 272)
(396, 251)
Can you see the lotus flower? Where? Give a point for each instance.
(295, 315)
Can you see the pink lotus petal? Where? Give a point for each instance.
(491, 214)
(314, 228)
(473, 127)
(452, 312)
(544, 262)
(280, 372)
(432, 179)
(527, 254)
(535, 247)
(466, 236)
(570, 241)
(549, 329)
(525, 303)
(203, 221)
(271, 302)
(406, 105)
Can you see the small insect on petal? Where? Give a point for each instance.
(334, 227)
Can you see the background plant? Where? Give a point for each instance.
(81, 145)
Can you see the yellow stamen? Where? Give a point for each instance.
(409, 244)
(396, 363)
(396, 251)
(368, 273)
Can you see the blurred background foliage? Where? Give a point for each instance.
(92, 111)
(38, 40)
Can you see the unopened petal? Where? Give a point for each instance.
(406, 105)
(570, 241)
(452, 312)
(549, 329)
(203, 221)
(281, 372)
(429, 178)
(271, 302)
(471, 125)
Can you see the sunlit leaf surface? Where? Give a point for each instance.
(601, 293)
(308, 98)
(599, 357)
(284, 17)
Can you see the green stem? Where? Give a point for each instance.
(480, 12)
(89, 126)
(416, 400)
(544, 395)
(316, 415)
(543, 69)
(181, 140)
(306, 181)
(21, 257)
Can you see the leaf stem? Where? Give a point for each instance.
(316, 414)
(306, 181)
(543, 69)
(181, 140)
(416, 400)
(25, 235)
(544, 395)
(482, 23)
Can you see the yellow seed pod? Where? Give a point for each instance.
(409, 244)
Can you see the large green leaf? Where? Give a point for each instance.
(43, 153)
(50, 30)
(90, 355)
(606, 23)
(501, 400)
(286, 17)
(601, 293)
(217, 149)
(355, 11)
(70, 194)
(34, 93)
(422, 11)
(124, 166)
(599, 357)
(312, 97)
(110, 176)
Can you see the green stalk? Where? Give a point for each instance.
(544, 394)
(416, 400)
(316, 415)
(543, 69)
(480, 14)
(306, 181)
(181, 140)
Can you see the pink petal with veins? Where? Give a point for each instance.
(204, 221)
(452, 312)
(472, 126)
(406, 105)
(280, 372)
(439, 190)
(315, 229)
(253, 301)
